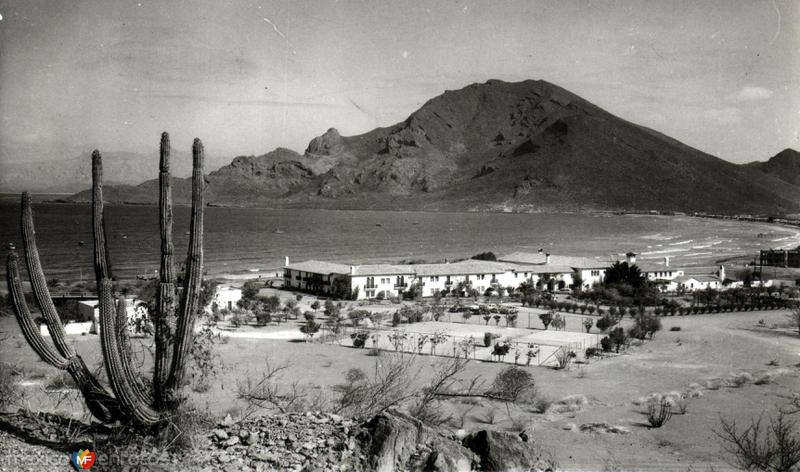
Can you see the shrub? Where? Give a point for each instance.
(618, 338)
(658, 413)
(359, 339)
(513, 384)
(541, 403)
(606, 344)
(772, 448)
(603, 323)
(564, 357)
(501, 349)
(592, 352)
(263, 317)
(739, 379)
(9, 390)
(487, 339)
(546, 318)
(587, 324)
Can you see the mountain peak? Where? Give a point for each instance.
(328, 144)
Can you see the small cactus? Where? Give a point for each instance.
(131, 399)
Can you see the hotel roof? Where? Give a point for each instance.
(470, 266)
(647, 266)
(532, 258)
(698, 278)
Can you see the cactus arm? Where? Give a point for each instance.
(102, 266)
(125, 351)
(123, 386)
(39, 282)
(193, 277)
(164, 317)
(102, 405)
(29, 329)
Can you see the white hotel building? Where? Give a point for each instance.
(544, 270)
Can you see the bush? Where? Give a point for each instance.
(546, 318)
(603, 323)
(658, 413)
(606, 344)
(592, 352)
(359, 339)
(513, 384)
(9, 390)
(775, 447)
(487, 339)
(564, 358)
(501, 349)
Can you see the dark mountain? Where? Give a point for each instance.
(524, 146)
(785, 165)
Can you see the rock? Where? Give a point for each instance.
(228, 421)
(231, 442)
(504, 451)
(603, 428)
(390, 442)
(461, 434)
(336, 418)
(220, 434)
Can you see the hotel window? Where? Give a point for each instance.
(481, 276)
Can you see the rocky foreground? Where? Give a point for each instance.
(303, 442)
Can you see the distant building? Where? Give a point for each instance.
(545, 271)
(694, 283)
(226, 297)
(780, 257)
(657, 272)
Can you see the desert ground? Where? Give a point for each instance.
(698, 360)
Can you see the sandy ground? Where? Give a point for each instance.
(707, 347)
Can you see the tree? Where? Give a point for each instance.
(756, 447)
(357, 315)
(485, 256)
(315, 305)
(622, 273)
(645, 326)
(587, 324)
(547, 318)
(250, 290)
(132, 400)
(309, 329)
(603, 323)
(340, 287)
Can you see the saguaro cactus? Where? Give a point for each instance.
(131, 400)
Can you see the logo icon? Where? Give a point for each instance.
(83, 459)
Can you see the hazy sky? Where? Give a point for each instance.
(249, 76)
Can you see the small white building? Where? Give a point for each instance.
(694, 283)
(661, 273)
(225, 297)
(564, 270)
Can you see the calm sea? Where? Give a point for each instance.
(249, 239)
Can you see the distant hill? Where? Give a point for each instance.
(56, 174)
(785, 165)
(525, 146)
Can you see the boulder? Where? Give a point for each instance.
(395, 441)
(504, 451)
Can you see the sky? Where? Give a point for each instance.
(250, 76)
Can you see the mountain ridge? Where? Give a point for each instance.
(522, 146)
